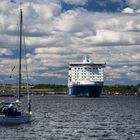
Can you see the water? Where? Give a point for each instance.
(69, 118)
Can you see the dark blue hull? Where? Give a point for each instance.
(85, 90)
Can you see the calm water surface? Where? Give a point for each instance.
(69, 118)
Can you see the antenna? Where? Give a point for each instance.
(20, 4)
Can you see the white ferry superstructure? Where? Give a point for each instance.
(85, 78)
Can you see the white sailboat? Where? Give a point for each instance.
(10, 112)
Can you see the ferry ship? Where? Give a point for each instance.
(85, 78)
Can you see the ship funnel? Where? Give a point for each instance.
(87, 59)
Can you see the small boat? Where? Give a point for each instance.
(23, 118)
(11, 112)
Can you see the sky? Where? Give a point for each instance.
(57, 32)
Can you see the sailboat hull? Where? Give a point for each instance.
(24, 118)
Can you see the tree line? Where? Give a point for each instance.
(107, 89)
(121, 89)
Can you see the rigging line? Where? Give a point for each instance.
(14, 65)
(26, 65)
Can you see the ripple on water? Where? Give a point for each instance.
(62, 117)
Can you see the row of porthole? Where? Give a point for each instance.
(97, 74)
(86, 68)
(76, 77)
(90, 79)
(87, 71)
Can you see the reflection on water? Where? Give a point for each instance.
(67, 118)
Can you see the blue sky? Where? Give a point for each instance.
(58, 32)
(99, 5)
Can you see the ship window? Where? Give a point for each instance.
(85, 68)
(69, 68)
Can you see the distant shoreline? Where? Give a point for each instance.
(53, 89)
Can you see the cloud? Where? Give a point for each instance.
(128, 10)
(4, 51)
(133, 7)
(74, 21)
(133, 3)
(76, 2)
(123, 73)
(134, 75)
(55, 37)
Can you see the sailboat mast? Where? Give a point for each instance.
(20, 57)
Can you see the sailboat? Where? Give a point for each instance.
(10, 112)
